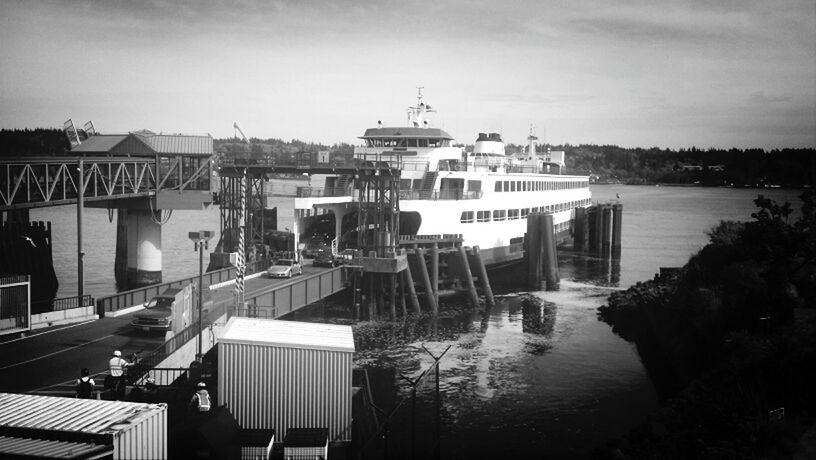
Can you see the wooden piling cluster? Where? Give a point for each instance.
(541, 254)
(416, 288)
(598, 228)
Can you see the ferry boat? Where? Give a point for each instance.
(483, 196)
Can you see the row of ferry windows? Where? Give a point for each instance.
(538, 185)
(407, 142)
(513, 214)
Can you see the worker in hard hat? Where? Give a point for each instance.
(201, 399)
(117, 366)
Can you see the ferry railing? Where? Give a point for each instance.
(438, 195)
(306, 160)
(321, 192)
(140, 296)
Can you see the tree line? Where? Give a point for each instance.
(787, 167)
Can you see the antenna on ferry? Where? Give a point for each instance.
(532, 138)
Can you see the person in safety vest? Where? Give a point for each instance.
(201, 399)
(117, 366)
(85, 385)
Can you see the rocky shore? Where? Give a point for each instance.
(729, 341)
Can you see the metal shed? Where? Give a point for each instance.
(285, 374)
(133, 430)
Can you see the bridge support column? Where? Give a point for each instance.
(138, 242)
(339, 211)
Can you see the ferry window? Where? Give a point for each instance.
(412, 142)
(524, 186)
(474, 186)
(405, 184)
(512, 214)
(467, 217)
(423, 143)
(498, 187)
(483, 216)
(525, 212)
(518, 185)
(417, 184)
(535, 209)
(529, 185)
(512, 186)
(499, 214)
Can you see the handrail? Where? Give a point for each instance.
(141, 295)
(63, 303)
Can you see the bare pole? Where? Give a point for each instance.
(80, 252)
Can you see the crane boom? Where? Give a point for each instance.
(238, 130)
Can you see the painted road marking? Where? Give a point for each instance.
(47, 332)
(55, 353)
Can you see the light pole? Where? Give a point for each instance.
(200, 240)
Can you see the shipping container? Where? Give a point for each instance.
(134, 430)
(276, 375)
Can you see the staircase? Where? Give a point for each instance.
(428, 181)
(341, 185)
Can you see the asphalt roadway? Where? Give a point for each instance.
(56, 355)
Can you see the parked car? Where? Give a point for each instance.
(158, 312)
(284, 268)
(324, 258)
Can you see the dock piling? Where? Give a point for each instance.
(426, 281)
(551, 255)
(533, 239)
(468, 276)
(408, 280)
(482, 270)
(617, 228)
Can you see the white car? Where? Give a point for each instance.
(284, 268)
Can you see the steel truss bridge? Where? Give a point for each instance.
(50, 181)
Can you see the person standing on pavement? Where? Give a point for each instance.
(85, 385)
(117, 366)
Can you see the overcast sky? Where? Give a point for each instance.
(666, 73)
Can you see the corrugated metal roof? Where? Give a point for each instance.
(71, 414)
(179, 144)
(44, 448)
(289, 334)
(99, 144)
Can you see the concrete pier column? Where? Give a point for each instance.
(144, 254)
(339, 211)
(617, 227)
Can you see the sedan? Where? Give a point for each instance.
(284, 268)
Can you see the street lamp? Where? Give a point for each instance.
(200, 239)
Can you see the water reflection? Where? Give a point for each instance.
(590, 269)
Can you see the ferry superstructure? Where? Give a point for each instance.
(483, 195)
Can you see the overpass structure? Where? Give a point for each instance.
(143, 176)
